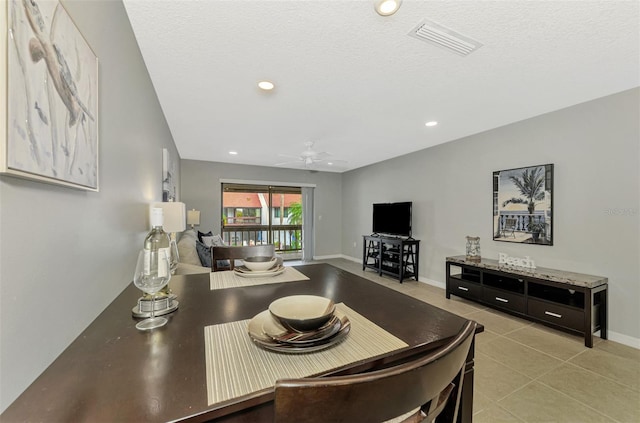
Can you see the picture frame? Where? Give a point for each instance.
(168, 177)
(523, 205)
(49, 78)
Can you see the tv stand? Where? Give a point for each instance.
(570, 301)
(396, 257)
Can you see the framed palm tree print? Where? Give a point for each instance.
(523, 205)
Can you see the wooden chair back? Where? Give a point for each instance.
(431, 382)
(230, 254)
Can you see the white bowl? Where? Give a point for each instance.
(303, 312)
(260, 263)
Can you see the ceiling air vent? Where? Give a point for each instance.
(444, 37)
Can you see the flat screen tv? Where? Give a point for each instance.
(392, 219)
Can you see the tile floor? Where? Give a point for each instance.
(526, 372)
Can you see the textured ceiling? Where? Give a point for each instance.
(358, 86)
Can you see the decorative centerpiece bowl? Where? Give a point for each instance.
(260, 263)
(302, 312)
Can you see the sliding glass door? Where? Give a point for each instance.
(263, 214)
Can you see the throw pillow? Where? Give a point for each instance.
(201, 234)
(215, 240)
(218, 241)
(204, 253)
(187, 248)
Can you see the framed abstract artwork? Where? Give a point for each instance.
(523, 205)
(52, 97)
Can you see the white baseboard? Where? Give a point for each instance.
(627, 340)
(432, 282)
(355, 259)
(328, 257)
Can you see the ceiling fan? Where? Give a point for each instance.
(309, 157)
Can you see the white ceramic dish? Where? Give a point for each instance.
(260, 263)
(243, 272)
(275, 331)
(265, 319)
(303, 312)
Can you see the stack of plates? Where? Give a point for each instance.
(316, 325)
(245, 272)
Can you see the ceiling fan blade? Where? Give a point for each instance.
(290, 156)
(288, 163)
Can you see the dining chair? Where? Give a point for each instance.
(417, 390)
(228, 255)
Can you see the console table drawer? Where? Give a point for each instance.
(556, 314)
(465, 289)
(504, 299)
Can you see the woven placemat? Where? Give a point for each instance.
(228, 279)
(235, 366)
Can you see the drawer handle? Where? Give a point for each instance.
(502, 300)
(462, 288)
(548, 313)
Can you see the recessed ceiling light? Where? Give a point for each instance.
(233, 153)
(266, 85)
(330, 163)
(431, 123)
(387, 7)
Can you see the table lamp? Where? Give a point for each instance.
(174, 221)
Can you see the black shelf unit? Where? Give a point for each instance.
(577, 305)
(396, 257)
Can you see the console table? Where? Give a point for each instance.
(570, 301)
(397, 257)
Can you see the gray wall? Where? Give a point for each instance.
(595, 148)
(201, 190)
(66, 254)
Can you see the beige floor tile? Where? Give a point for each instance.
(538, 403)
(456, 307)
(618, 349)
(519, 357)
(497, 322)
(495, 414)
(550, 343)
(495, 380)
(480, 401)
(623, 370)
(568, 335)
(484, 337)
(609, 398)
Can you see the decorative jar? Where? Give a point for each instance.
(473, 248)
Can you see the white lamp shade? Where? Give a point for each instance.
(174, 216)
(193, 217)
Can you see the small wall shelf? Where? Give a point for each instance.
(397, 257)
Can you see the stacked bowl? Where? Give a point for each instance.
(259, 266)
(299, 323)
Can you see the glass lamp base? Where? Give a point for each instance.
(151, 323)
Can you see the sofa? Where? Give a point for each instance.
(195, 256)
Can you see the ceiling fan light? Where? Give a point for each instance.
(431, 123)
(387, 7)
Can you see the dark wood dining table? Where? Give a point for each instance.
(114, 373)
